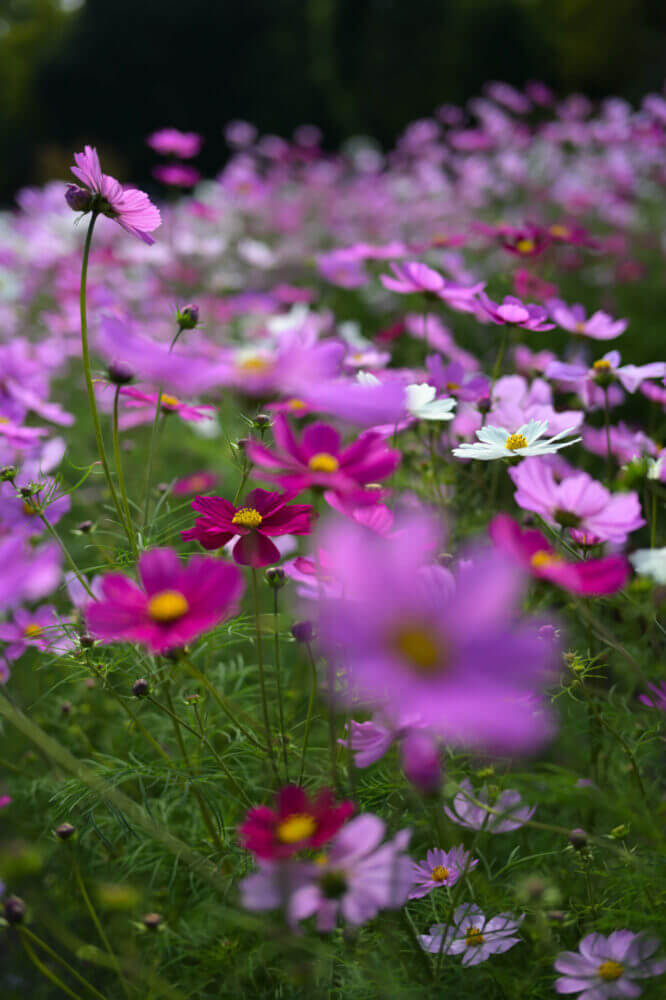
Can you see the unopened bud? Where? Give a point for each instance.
(578, 839)
(85, 527)
(262, 421)
(65, 831)
(187, 317)
(140, 688)
(78, 199)
(302, 631)
(8, 472)
(14, 910)
(120, 373)
(152, 921)
(275, 577)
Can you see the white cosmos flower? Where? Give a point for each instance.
(650, 562)
(498, 442)
(421, 403)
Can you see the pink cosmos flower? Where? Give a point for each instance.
(510, 812)
(516, 402)
(578, 502)
(297, 823)
(603, 372)
(532, 550)
(142, 405)
(261, 515)
(605, 967)
(440, 868)
(318, 459)
(130, 208)
(657, 699)
(625, 444)
(600, 326)
(5, 800)
(177, 174)
(356, 878)
(173, 605)
(172, 141)
(197, 482)
(515, 313)
(40, 628)
(473, 935)
(412, 277)
(455, 381)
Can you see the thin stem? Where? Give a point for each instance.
(65, 551)
(222, 703)
(278, 681)
(203, 808)
(85, 351)
(500, 357)
(120, 474)
(609, 454)
(95, 919)
(262, 677)
(653, 520)
(153, 439)
(45, 971)
(25, 931)
(308, 719)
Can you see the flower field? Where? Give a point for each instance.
(333, 565)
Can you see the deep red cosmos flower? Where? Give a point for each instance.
(296, 823)
(262, 514)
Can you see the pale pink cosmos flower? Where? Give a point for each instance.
(605, 967)
(469, 809)
(440, 868)
(130, 208)
(473, 935)
(172, 141)
(599, 326)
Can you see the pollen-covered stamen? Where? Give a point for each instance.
(515, 442)
(610, 971)
(298, 826)
(543, 558)
(602, 365)
(169, 402)
(255, 364)
(580, 327)
(560, 232)
(247, 517)
(421, 649)
(167, 606)
(439, 873)
(296, 404)
(525, 246)
(452, 386)
(32, 631)
(30, 508)
(473, 937)
(323, 462)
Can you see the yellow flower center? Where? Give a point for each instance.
(247, 517)
(168, 606)
(525, 246)
(515, 442)
(439, 873)
(451, 386)
(323, 462)
(610, 970)
(32, 631)
(580, 328)
(4, 420)
(560, 231)
(298, 826)
(170, 401)
(29, 508)
(254, 365)
(474, 937)
(542, 558)
(602, 365)
(419, 647)
(296, 404)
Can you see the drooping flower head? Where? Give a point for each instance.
(605, 967)
(173, 605)
(130, 208)
(295, 824)
(260, 516)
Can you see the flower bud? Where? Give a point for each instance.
(262, 421)
(140, 688)
(120, 373)
(65, 831)
(86, 640)
(578, 839)
(187, 317)
(8, 472)
(85, 527)
(152, 921)
(302, 631)
(14, 910)
(275, 577)
(78, 199)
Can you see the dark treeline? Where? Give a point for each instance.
(113, 70)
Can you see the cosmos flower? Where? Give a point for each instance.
(455, 381)
(473, 935)
(440, 868)
(141, 406)
(650, 562)
(297, 823)
(532, 550)
(319, 459)
(421, 403)
(528, 440)
(599, 326)
(172, 141)
(508, 814)
(260, 516)
(177, 174)
(412, 277)
(605, 967)
(196, 482)
(657, 699)
(40, 628)
(603, 373)
(513, 312)
(130, 208)
(175, 603)
(578, 502)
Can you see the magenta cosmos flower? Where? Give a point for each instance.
(320, 460)
(413, 641)
(130, 208)
(40, 628)
(605, 967)
(509, 813)
(599, 326)
(603, 373)
(513, 312)
(657, 699)
(412, 277)
(534, 552)
(440, 868)
(261, 515)
(172, 141)
(197, 482)
(297, 823)
(578, 502)
(174, 604)
(473, 935)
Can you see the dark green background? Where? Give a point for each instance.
(112, 70)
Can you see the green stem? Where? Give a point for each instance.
(120, 474)
(95, 919)
(88, 377)
(153, 439)
(308, 720)
(609, 454)
(278, 681)
(262, 677)
(203, 808)
(45, 971)
(65, 551)
(500, 357)
(25, 931)
(222, 703)
(653, 520)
